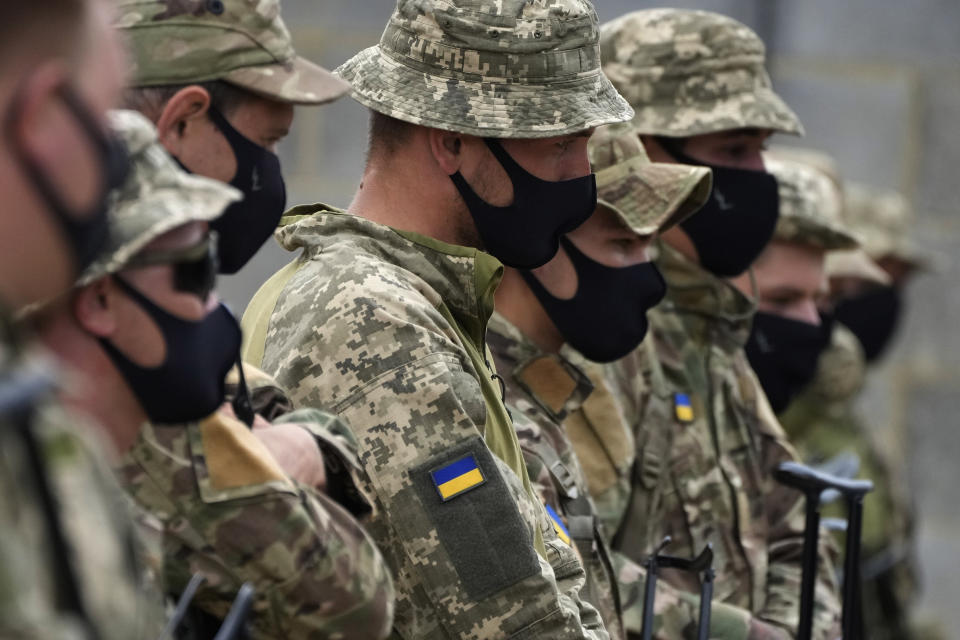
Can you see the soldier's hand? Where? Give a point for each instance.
(763, 631)
(295, 450)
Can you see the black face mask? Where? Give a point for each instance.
(526, 234)
(737, 222)
(784, 354)
(189, 385)
(247, 224)
(85, 231)
(607, 318)
(873, 318)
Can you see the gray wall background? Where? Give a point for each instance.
(877, 85)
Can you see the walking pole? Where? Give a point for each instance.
(812, 484)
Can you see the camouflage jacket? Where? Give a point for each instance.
(707, 441)
(387, 329)
(93, 583)
(565, 425)
(224, 509)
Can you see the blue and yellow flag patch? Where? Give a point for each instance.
(457, 477)
(558, 525)
(682, 407)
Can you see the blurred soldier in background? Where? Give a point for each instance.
(478, 152)
(591, 299)
(145, 323)
(220, 81)
(826, 424)
(706, 437)
(67, 565)
(788, 333)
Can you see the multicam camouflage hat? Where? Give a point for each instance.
(157, 197)
(688, 73)
(492, 68)
(649, 197)
(811, 207)
(884, 220)
(855, 263)
(243, 42)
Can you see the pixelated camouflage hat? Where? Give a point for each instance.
(649, 197)
(689, 73)
(243, 42)
(884, 220)
(157, 197)
(489, 68)
(811, 206)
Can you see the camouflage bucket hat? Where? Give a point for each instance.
(688, 73)
(884, 220)
(243, 42)
(649, 197)
(855, 263)
(489, 68)
(157, 197)
(810, 207)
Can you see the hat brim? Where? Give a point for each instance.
(651, 197)
(482, 108)
(757, 109)
(855, 263)
(297, 82)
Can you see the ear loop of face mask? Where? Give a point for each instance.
(85, 231)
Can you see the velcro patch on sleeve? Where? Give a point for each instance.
(476, 518)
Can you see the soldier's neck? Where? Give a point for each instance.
(410, 197)
(517, 303)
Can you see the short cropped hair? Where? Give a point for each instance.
(150, 101)
(387, 135)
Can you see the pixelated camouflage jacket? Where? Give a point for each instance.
(386, 328)
(114, 598)
(707, 441)
(226, 510)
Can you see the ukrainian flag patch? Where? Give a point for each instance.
(558, 525)
(457, 477)
(682, 407)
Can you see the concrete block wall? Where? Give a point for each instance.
(877, 84)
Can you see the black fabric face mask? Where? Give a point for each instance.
(246, 225)
(873, 317)
(784, 354)
(189, 385)
(607, 318)
(526, 234)
(85, 231)
(737, 222)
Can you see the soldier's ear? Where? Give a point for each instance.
(93, 308)
(185, 109)
(447, 148)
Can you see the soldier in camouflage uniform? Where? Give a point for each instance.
(826, 424)
(220, 81)
(66, 539)
(545, 379)
(383, 316)
(212, 491)
(706, 438)
(789, 278)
